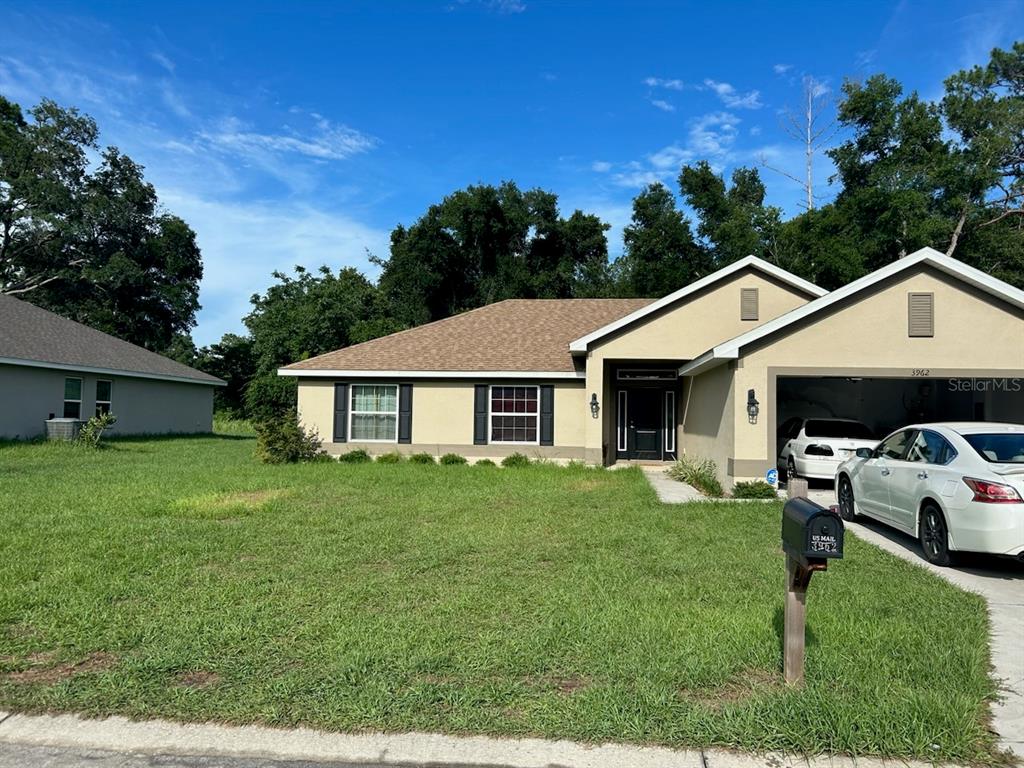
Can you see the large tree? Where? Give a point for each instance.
(89, 243)
(660, 254)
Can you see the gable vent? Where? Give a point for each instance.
(921, 314)
(748, 304)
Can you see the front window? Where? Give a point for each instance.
(895, 445)
(374, 413)
(72, 398)
(514, 414)
(103, 390)
(1005, 448)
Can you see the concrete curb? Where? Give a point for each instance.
(162, 737)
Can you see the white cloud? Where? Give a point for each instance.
(733, 98)
(507, 6)
(243, 243)
(600, 166)
(173, 100)
(327, 142)
(664, 106)
(781, 69)
(713, 135)
(670, 158)
(657, 82)
(163, 61)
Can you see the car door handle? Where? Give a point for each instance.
(922, 475)
(885, 472)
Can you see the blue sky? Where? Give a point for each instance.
(301, 133)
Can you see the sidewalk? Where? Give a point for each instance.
(70, 736)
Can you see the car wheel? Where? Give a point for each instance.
(847, 508)
(934, 536)
(791, 468)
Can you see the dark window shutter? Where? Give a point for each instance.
(341, 413)
(405, 413)
(547, 414)
(921, 314)
(748, 304)
(480, 394)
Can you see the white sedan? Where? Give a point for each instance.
(813, 448)
(955, 486)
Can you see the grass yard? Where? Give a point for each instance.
(179, 578)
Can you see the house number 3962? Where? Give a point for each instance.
(920, 371)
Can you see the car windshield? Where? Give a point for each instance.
(833, 428)
(1001, 448)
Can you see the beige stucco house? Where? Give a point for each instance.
(55, 368)
(711, 369)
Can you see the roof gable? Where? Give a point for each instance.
(35, 337)
(580, 345)
(731, 349)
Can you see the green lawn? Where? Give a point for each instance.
(179, 578)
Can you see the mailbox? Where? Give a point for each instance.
(811, 534)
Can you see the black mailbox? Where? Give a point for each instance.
(811, 534)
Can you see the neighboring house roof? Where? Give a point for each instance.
(730, 350)
(579, 345)
(514, 337)
(32, 336)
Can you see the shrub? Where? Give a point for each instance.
(390, 458)
(358, 456)
(282, 440)
(91, 432)
(450, 459)
(485, 463)
(421, 458)
(515, 460)
(756, 489)
(702, 474)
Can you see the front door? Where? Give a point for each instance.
(644, 423)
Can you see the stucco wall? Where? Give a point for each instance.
(442, 419)
(973, 333)
(707, 418)
(142, 406)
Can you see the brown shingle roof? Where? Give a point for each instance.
(512, 335)
(36, 335)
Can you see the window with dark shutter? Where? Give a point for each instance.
(748, 304)
(480, 395)
(547, 414)
(341, 413)
(921, 314)
(405, 413)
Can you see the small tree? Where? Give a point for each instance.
(282, 440)
(91, 432)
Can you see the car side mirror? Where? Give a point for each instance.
(865, 453)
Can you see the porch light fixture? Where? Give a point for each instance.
(595, 407)
(753, 407)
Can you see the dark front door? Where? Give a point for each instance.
(644, 420)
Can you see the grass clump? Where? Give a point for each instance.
(451, 459)
(515, 460)
(226, 424)
(485, 463)
(283, 440)
(702, 474)
(394, 457)
(421, 458)
(358, 456)
(754, 489)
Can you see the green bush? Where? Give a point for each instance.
(755, 489)
(450, 459)
(282, 440)
(515, 460)
(421, 458)
(485, 463)
(702, 474)
(91, 432)
(390, 458)
(358, 456)
(225, 424)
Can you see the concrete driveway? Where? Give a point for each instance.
(1000, 582)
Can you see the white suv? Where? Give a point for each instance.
(814, 448)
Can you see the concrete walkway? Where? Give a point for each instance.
(670, 491)
(66, 741)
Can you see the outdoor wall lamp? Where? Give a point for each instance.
(753, 407)
(595, 407)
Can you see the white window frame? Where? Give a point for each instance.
(621, 422)
(98, 402)
(352, 411)
(81, 394)
(670, 426)
(491, 414)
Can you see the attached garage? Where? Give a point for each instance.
(926, 338)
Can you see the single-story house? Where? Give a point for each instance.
(711, 370)
(52, 367)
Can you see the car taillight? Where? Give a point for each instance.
(993, 493)
(818, 450)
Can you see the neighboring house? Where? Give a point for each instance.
(54, 367)
(710, 370)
